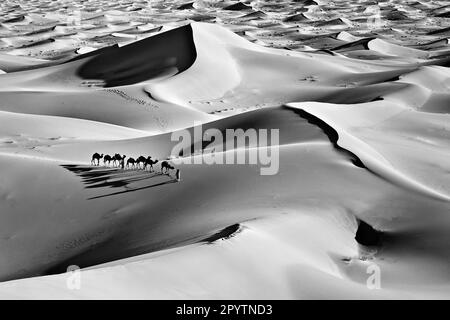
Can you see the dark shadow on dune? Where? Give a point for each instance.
(332, 135)
(379, 98)
(225, 233)
(169, 52)
(38, 31)
(150, 95)
(77, 168)
(432, 45)
(15, 19)
(100, 183)
(325, 51)
(134, 189)
(102, 177)
(395, 15)
(362, 44)
(91, 176)
(189, 5)
(443, 15)
(237, 7)
(296, 18)
(440, 31)
(38, 43)
(439, 61)
(367, 235)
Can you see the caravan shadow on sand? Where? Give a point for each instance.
(135, 189)
(103, 177)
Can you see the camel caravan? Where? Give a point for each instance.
(141, 163)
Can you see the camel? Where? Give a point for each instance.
(107, 158)
(97, 157)
(140, 160)
(149, 162)
(122, 162)
(131, 162)
(166, 167)
(117, 158)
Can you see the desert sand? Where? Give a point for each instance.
(360, 93)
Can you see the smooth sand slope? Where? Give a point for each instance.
(362, 112)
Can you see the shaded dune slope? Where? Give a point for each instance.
(169, 53)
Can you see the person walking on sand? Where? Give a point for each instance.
(178, 175)
(122, 162)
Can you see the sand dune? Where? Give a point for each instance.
(361, 101)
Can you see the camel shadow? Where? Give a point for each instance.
(104, 177)
(134, 189)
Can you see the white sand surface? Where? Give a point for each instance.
(359, 94)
